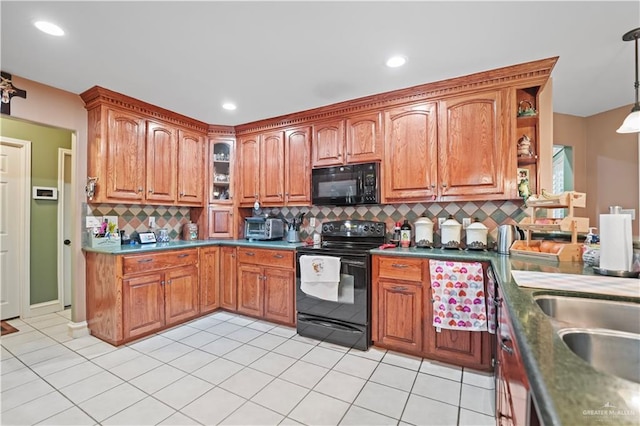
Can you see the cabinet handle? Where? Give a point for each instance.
(399, 265)
(339, 155)
(169, 282)
(279, 194)
(250, 253)
(255, 195)
(399, 288)
(140, 189)
(145, 260)
(183, 255)
(233, 255)
(348, 153)
(162, 282)
(505, 348)
(433, 186)
(278, 256)
(444, 185)
(497, 301)
(151, 191)
(182, 194)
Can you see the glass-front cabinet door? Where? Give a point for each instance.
(221, 160)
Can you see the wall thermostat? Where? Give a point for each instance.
(45, 193)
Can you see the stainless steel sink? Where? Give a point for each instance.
(608, 351)
(592, 313)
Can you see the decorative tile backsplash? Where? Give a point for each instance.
(136, 218)
(491, 213)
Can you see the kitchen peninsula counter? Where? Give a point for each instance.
(566, 390)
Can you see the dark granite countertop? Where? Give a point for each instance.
(566, 389)
(177, 245)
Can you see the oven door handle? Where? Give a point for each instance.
(332, 324)
(358, 263)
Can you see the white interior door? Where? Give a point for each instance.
(64, 224)
(14, 221)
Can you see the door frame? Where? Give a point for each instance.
(62, 154)
(24, 221)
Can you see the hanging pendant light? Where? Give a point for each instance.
(631, 124)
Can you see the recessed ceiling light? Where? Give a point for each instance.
(396, 61)
(49, 28)
(229, 106)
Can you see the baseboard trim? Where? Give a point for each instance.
(43, 308)
(77, 329)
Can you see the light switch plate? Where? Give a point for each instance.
(632, 212)
(466, 221)
(93, 221)
(312, 222)
(441, 221)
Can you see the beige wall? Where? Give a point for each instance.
(55, 107)
(605, 162)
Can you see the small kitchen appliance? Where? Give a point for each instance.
(346, 185)
(261, 228)
(507, 234)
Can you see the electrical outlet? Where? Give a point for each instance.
(93, 221)
(152, 222)
(441, 221)
(312, 222)
(466, 221)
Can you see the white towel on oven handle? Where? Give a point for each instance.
(320, 276)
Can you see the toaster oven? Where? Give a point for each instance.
(260, 228)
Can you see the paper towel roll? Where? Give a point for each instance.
(616, 246)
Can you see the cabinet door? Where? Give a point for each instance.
(249, 168)
(328, 143)
(250, 298)
(298, 170)
(209, 271)
(228, 278)
(181, 294)
(161, 166)
(472, 149)
(125, 168)
(221, 160)
(364, 138)
(220, 221)
(410, 162)
(400, 315)
(142, 304)
(190, 168)
(279, 302)
(454, 346)
(272, 168)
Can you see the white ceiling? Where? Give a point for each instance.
(275, 58)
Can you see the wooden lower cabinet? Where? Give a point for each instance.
(209, 269)
(266, 284)
(227, 278)
(129, 296)
(514, 402)
(402, 316)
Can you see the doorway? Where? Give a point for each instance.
(563, 179)
(15, 184)
(64, 227)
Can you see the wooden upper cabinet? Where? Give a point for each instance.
(221, 167)
(161, 166)
(190, 168)
(364, 138)
(298, 171)
(473, 153)
(249, 168)
(123, 165)
(272, 168)
(409, 169)
(328, 143)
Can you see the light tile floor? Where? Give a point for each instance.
(226, 369)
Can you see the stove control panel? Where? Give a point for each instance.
(354, 228)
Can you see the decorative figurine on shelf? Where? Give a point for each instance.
(523, 184)
(524, 146)
(526, 111)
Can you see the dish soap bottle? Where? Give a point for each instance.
(405, 234)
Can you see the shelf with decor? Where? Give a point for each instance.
(551, 249)
(527, 134)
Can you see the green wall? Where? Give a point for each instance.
(45, 142)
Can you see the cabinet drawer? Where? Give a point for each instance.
(156, 261)
(276, 258)
(400, 268)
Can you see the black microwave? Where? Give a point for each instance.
(346, 185)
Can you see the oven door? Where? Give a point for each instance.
(344, 322)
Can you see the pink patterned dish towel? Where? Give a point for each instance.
(457, 290)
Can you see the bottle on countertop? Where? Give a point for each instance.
(395, 239)
(405, 234)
